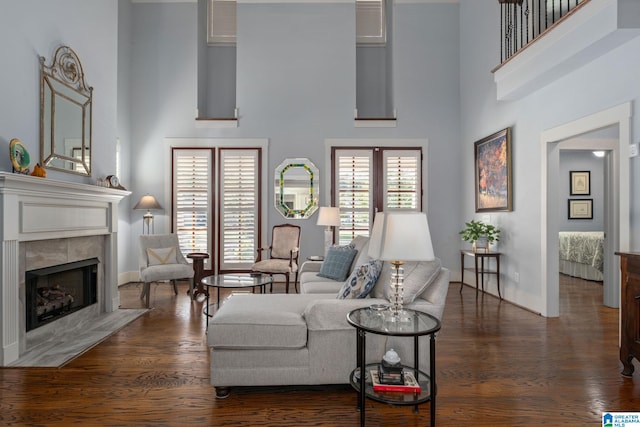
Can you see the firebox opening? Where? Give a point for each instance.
(57, 291)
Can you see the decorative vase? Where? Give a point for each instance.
(482, 244)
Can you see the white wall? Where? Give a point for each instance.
(604, 83)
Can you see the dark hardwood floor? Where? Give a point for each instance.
(497, 365)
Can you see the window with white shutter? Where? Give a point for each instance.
(370, 22)
(402, 179)
(239, 203)
(371, 179)
(192, 198)
(221, 22)
(353, 184)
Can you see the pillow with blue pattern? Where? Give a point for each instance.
(337, 263)
(361, 281)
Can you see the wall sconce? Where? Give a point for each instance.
(330, 217)
(148, 202)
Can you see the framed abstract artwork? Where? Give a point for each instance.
(493, 182)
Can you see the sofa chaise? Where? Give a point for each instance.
(304, 339)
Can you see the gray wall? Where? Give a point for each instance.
(601, 84)
(33, 28)
(578, 160)
(296, 87)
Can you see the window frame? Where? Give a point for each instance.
(221, 265)
(211, 213)
(378, 187)
(165, 198)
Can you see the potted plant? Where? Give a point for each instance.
(480, 234)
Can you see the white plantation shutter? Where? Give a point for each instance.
(221, 22)
(370, 22)
(402, 175)
(192, 198)
(354, 192)
(239, 215)
(374, 178)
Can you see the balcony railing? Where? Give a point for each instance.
(523, 21)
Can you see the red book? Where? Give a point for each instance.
(410, 383)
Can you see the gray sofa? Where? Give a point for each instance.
(304, 339)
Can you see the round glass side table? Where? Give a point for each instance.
(410, 323)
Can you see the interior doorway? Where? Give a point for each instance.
(570, 135)
(584, 254)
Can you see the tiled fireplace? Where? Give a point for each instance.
(45, 224)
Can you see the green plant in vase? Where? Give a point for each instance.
(480, 234)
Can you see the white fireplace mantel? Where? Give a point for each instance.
(34, 208)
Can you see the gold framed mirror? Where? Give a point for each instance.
(65, 114)
(296, 188)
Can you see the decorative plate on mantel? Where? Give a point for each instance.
(19, 156)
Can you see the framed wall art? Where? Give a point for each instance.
(580, 183)
(493, 188)
(580, 208)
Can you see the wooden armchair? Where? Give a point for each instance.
(283, 254)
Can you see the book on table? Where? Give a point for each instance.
(410, 385)
(390, 374)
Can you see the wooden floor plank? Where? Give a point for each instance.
(497, 364)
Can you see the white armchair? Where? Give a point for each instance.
(160, 259)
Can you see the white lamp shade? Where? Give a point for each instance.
(329, 216)
(147, 202)
(401, 236)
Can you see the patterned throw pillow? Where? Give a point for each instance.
(160, 256)
(337, 263)
(361, 281)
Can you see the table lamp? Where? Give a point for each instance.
(399, 237)
(148, 202)
(330, 217)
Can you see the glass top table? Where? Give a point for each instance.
(380, 320)
(234, 281)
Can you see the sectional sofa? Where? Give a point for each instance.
(304, 339)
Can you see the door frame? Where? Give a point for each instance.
(617, 216)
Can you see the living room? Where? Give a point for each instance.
(296, 90)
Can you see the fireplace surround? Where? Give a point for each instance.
(43, 223)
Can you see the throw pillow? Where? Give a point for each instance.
(361, 281)
(160, 256)
(417, 278)
(337, 263)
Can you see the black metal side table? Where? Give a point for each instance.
(410, 323)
